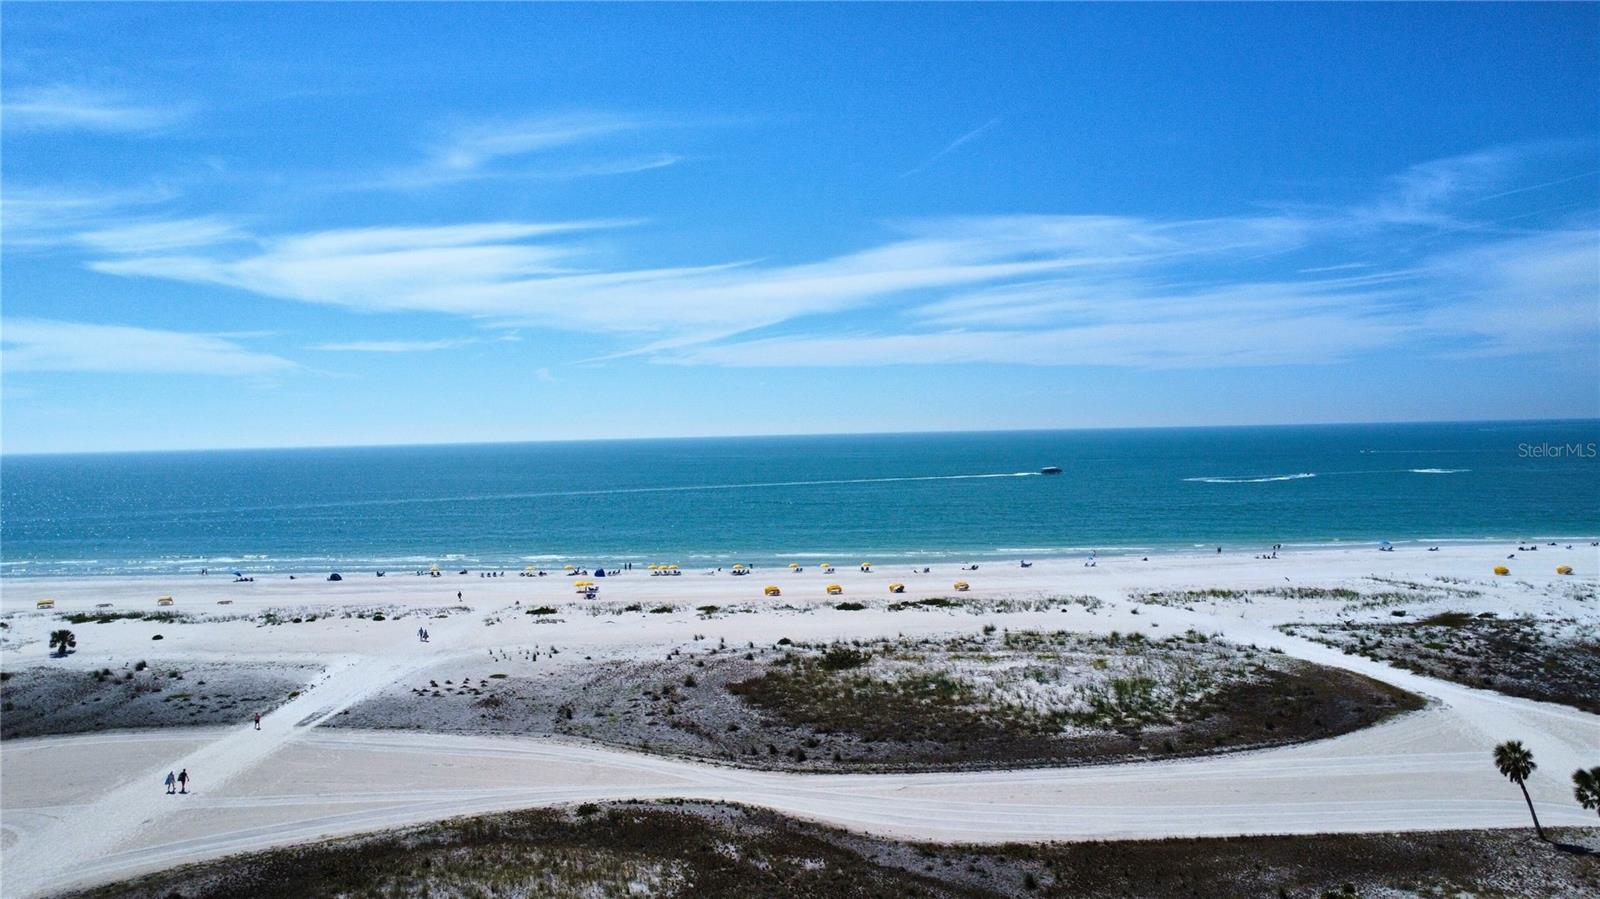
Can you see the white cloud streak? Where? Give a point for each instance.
(159, 236)
(1031, 289)
(35, 345)
(538, 148)
(396, 346)
(953, 146)
(61, 107)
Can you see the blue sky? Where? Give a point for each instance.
(281, 225)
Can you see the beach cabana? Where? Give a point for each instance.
(772, 590)
(163, 600)
(1501, 569)
(835, 589)
(46, 603)
(962, 586)
(897, 588)
(1563, 569)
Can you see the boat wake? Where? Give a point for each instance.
(1437, 470)
(1260, 480)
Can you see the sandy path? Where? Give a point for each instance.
(293, 781)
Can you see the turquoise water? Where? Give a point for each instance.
(765, 500)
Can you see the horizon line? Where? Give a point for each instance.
(559, 440)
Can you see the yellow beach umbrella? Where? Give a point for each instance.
(772, 590)
(45, 603)
(569, 568)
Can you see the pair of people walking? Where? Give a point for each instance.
(180, 780)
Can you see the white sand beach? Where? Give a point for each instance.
(88, 808)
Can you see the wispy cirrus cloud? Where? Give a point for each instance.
(396, 346)
(44, 216)
(1036, 289)
(953, 146)
(435, 269)
(63, 107)
(160, 235)
(32, 344)
(500, 273)
(556, 147)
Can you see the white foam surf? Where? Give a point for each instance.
(1260, 480)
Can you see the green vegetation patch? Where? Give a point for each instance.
(697, 850)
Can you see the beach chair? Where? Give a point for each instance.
(962, 586)
(897, 588)
(164, 601)
(835, 589)
(772, 590)
(45, 604)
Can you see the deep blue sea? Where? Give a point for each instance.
(772, 499)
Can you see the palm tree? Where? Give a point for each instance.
(1586, 787)
(1516, 763)
(64, 639)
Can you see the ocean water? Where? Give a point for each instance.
(846, 499)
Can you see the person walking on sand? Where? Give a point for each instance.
(258, 720)
(183, 781)
(171, 779)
